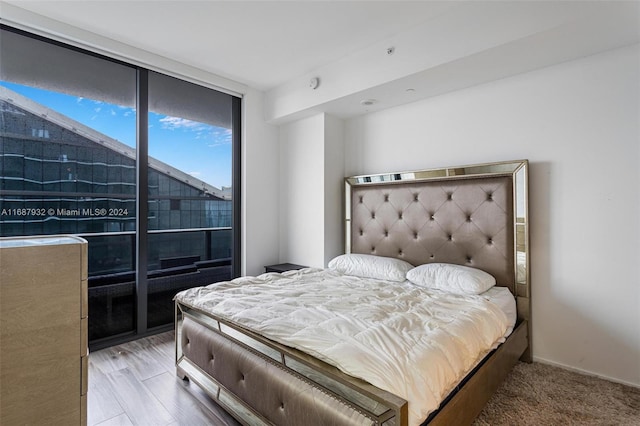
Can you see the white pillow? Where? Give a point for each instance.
(370, 266)
(455, 279)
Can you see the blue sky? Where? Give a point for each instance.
(199, 149)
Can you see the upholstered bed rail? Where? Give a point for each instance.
(280, 385)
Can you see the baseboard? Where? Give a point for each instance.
(585, 372)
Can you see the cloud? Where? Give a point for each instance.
(222, 132)
(221, 137)
(217, 136)
(128, 111)
(173, 123)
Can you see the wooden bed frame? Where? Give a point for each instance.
(471, 215)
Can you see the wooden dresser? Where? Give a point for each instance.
(43, 331)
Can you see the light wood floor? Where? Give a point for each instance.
(135, 384)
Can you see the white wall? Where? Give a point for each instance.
(578, 124)
(311, 176)
(333, 188)
(260, 187)
(302, 192)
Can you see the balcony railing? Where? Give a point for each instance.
(177, 260)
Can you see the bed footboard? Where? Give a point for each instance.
(262, 382)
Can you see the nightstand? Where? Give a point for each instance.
(282, 267)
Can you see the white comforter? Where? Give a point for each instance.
(399, 337)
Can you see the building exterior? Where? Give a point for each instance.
(58, 176)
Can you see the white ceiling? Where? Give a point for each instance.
(276, 46)
(258, 43)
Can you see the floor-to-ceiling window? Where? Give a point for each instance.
(138, 163)
(189, 180)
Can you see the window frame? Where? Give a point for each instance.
(142, 191)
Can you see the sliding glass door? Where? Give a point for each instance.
(138, 163)
(189, 198)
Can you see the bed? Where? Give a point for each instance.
(232, 341)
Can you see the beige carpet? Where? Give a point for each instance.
(539, 394)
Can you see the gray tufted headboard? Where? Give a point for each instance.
(462, 216)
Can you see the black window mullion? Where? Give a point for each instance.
(142, 205)
(236, 186)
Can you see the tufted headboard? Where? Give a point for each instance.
(463, 215)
